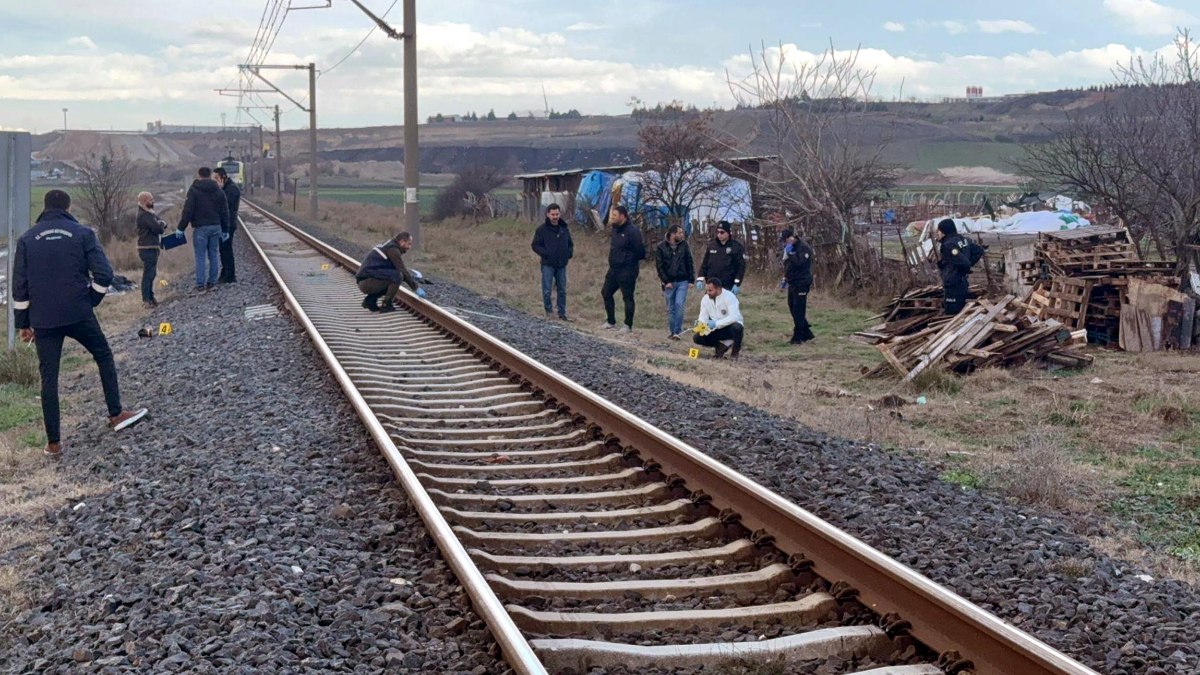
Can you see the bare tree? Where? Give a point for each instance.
(470, 194)
(1137, 156)
(108, 199)
(679, 157)
(829, 161)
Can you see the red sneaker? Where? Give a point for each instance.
(53, 450)
(126, 419)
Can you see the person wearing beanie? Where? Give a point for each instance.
(797, 281)
(954, 264)
(724, 259)
(233, 195)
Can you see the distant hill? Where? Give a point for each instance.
(944, 143)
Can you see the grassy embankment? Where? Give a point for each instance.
(1121, 438)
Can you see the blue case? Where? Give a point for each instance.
(172, 240)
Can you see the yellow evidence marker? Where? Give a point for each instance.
(325, 266)
(162, 282)
(693, 353)
(164, 329)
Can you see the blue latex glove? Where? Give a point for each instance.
(712, 325)
(783, 284)
(421, 293)
(224, 236)
(736, 289)
(699, 284)
(789, 249)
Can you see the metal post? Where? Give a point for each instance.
(64, 119)
(312, 140)
(412, 159)
(278, 163)
(15, 148)
(258, 157)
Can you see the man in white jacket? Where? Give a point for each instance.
(720, 313)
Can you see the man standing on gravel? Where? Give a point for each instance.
(206, 209)
(552, 242)
(724, 259)
(676, 271)
(149, 234)
(233, 196)
(382, 272)
(625, 254)
(721, 315)
(60, 274)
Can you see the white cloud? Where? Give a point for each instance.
(893, 27)
(585, 26)
(1147, 17)
(82, 41)
(1005, 26)
(953, 27)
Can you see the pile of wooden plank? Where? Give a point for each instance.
(1004, 333)
(908, 313)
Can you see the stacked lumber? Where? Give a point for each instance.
(907, 313)
(985, 333)
(1086, 250)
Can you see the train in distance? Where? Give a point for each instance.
(234, 169)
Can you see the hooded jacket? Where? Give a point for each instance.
(726, 262)
(385, 262)
(149, 229)
(205, 205)
(553, 243)
(627, 249)
(674, 263)
(59, 274)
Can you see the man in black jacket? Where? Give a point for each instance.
(59, 274)
(676, 271)
(149, 235)
(552, 242)
(233, 196)
(625, 254)
(207, 209)
(797, 279)
(954, 266)
(724, 259)
(382, 272)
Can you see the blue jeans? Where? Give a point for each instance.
(557, 276)
(676, 298)
(206, 242)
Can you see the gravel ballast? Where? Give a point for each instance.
(1019, 563)
(253, 526)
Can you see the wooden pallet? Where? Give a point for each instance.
(1069, 298)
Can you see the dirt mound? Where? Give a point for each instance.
(73, 146)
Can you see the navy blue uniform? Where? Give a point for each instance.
(954, 266)
(797, 271)
(233, 197)
(61, 273)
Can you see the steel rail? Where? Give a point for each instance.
(512, 642)
(939, 618)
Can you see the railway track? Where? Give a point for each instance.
(586, 538)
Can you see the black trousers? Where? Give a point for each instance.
(955, 297)
(379, 288)
(149, 258)
(626, 281)
(227, 271)
(734, 331)
(49, 343)
(798, 306)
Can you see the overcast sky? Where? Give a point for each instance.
(121, 63)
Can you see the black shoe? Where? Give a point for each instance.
(211, 287)
(721, 349)
(387, 308)
(737, 349)
(368, 304)
(563, 317)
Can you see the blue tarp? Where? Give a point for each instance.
(595, 194)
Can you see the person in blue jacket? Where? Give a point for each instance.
(552, 242)
(60, 274)
(382, 272)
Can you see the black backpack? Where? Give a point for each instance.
(975, 251)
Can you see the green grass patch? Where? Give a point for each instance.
(962, 478)
(35, 438)
(934, 156)
(1162, 494)
(18, 406)
(19, 367)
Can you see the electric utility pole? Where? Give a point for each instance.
(311, 109)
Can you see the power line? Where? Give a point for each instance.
(359, 45)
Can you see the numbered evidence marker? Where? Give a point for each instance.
(164, 329)
(325, 266)
(162, 282)
(693, 353)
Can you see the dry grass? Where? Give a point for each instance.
(1122, 437)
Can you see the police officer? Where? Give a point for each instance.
(382, 272)
(233, 196)
(724, 259)
(954, 266)
(59, 275)
(797, 280)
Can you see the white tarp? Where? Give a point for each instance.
(1030, 222)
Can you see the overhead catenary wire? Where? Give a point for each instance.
(360, 43)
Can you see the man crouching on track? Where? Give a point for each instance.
(721, 315)
(59, 274)
(382, 272)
